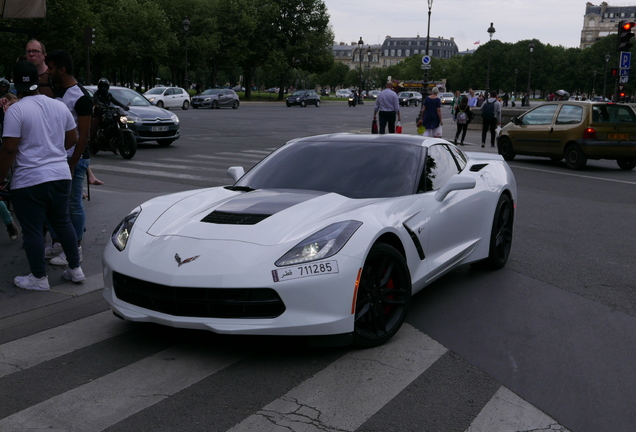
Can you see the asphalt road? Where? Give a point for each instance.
(556, 326)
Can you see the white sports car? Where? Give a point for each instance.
(328, 235)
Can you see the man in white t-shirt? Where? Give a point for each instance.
(37, 132)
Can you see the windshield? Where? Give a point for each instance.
(129, 97)
(298, 93)
(156, 90)
(352, 169)
(210, 91)
(404, 94)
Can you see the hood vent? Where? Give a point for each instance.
(225, 218)
(478, 167)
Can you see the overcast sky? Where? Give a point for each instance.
(555, 22)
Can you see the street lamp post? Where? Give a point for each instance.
(428, 40)
(531, 47)
(594, 84)
(360, 43)
(607, 59)
(186, 29)
(368, 68)
(491, 31)
(516, 72)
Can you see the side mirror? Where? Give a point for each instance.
(458, 182)
(235, 172)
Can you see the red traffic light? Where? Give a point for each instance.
(628, 26)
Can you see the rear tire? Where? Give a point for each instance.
(186, 105)
(383, 297)
(317, 103)
(574, 157)
(626, 163)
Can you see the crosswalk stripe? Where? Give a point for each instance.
(116, 396)
(345, 394)
(32, 350)
(508, 412)
(228, 156)
(154, 173)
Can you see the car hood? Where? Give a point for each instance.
(150, 112)
(265, 217)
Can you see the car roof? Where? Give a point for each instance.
(398, 139)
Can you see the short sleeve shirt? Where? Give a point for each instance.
(79, 103)
(41, 124)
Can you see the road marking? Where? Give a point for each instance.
(573, 175)
(114, 397)
(229, 156)
(156, 173)
(350, 390)
(508, 412)
(44, 346)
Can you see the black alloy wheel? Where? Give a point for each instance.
(317, 103)
(303, 104)
(236, 104)
(501, 234)
(383, 298)
(214, 105)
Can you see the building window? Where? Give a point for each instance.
(407, 53)
(399, 53)
(386, 52)
(392, 53)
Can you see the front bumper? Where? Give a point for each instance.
(311, 306)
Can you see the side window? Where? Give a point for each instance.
(540, 116)
(177, 91)
(169, 92)
(439, 167)
(460, 157)
(570, 114)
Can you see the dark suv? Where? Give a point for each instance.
(304, 98)
(408, 98)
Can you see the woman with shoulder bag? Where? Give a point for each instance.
(462, 120)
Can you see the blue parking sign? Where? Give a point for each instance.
(626, 59)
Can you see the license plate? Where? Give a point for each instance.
(617, 136)
(306, 270)
(158, 128)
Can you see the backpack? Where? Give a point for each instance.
(462, 118)
(488, 110)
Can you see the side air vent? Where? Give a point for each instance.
(226, 218)
(477, 167)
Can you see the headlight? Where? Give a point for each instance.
(132, 118)
(151, 99)
(207, 99)
(323, 244)
(122, 232)
(123, 119)
(174, 118)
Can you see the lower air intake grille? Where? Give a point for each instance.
(199, 302)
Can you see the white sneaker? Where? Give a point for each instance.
(30, 282)
(75, 275)
(60, 260)
(52, 251)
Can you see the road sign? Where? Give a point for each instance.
(626, 59)
(624, 79)
(426, 60)
(426, 66)
(624, 72)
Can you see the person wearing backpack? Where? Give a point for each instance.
(491, 118)
(463, 114)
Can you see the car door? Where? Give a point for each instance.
(224, 98)
(178, 97)
(449, 229)
(569, 117)
(168, 100)
(532, 133)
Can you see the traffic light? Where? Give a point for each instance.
(624, 35)
(89, 36)
(614, 72)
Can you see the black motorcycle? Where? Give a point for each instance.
(113, 133)
(352, 100)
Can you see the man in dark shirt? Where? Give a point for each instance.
(80, 104)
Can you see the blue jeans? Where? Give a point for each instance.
(33, 206)
(5, 215)
(75, 204)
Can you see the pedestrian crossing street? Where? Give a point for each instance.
(100, 373)
(202, 169)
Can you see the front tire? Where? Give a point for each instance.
(127, 144)
(383, 297)
(159, 104)
(501, 234)
(303, 104)
(505, 149)
(626, 163)
(317, 103)
(214, 105)
(236, 104)
(574, 157)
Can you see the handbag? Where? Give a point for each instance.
(374, 127)
(398, 128)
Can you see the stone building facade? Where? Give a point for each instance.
(602, 20)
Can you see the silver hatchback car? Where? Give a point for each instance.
(216, 98)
